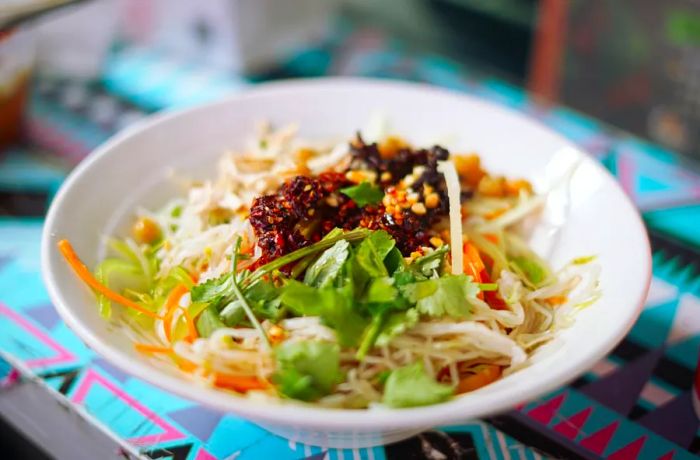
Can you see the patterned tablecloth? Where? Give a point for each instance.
(636, 403)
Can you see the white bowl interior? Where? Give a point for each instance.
(131, 169)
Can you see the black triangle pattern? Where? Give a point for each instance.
(67, 377)
(179, 452)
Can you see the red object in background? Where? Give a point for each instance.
(11, 110)
(548, 49)
(14, 85)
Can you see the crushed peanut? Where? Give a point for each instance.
(357, 176)
(436, 241)
(469, 169)
(492, 186)
(390, 146)
(432, 200)
(146, 230)
(332, 201)
(418, 208)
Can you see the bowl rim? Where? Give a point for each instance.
(307, 416)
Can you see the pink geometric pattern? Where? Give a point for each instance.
(204, 455)
(571, 427)
(169, 433)
(598, 441)
(630, 451)
(545, 413)
(62, 355)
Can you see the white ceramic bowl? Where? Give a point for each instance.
(132, 169)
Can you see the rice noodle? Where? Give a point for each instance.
(199, 232)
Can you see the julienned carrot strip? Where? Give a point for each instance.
(487, 374)
(150, 348)
(556, 300)
(191, 329)
(239, 383)
(84, 274)
(473, 265)
(171, 303)
(185, 365)
(493, 214)
(492, 237)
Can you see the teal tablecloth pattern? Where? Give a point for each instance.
(636, 403)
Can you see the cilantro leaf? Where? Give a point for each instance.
(411, 386)
(396, 324)
(208, 321)
(327, 267)
(213, 289)
(424, 266)
(394, 261)
(372, 251)
(446, 296)
(303, 300)
(264, 299)
(381, 290)
(307, 370)
(334, 306)
(232, 314)
(364, 193)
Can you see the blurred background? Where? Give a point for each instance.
(632, 63)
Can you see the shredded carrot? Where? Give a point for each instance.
(473, 265)
(150, 348)
(191, 329)
(171, 304)
(556, 300)
(84, 274)
(238, 383)
(493, 214)
(492, 237)
(185, 364)
(486, 374)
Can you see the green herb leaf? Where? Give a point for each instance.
(394, 261)
(397, 324)
(326, 269)
(364, 193)
(370, 335)
(381, 290)
(208, 321)
(213, 289)
(411, 386)
(334, 306)
(353, 235)
(303, 300)
(232, 314)
(446, 296)
(372, 251)
(424, 266)
(307, 370)
(264, 299)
